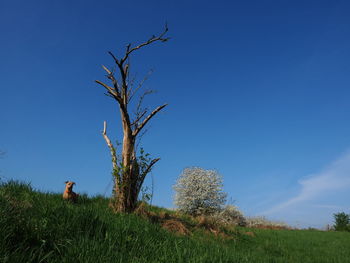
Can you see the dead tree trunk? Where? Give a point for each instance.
(128, 172)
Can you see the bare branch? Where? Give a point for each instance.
(110, 90)
(138, 118)
(114, 57)
(124, 86)
(139, 104)
(140, 113)
(110, 76)
(129, 50)
(123, 77)
(126, 69)
(143, 175)
(107, 70)
(133, 92)
(132, 80)
(104, 133)
(128, 47)
(139, 128)
(150, 166)
(111, 148)
(108, 94)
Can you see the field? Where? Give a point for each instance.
(41, 227)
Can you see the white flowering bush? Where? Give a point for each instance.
(230, 215)
(261, 221)
(199, 191)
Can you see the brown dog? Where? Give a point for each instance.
(68, 192)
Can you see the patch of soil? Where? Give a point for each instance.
(175, 226)
(164, 215)
(207, 223)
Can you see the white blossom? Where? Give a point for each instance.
(262, 221)
(230, 215)
(199, 191)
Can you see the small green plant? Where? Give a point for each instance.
(143, 162)
(342, 222)
(146, 195)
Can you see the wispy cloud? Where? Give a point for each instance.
(334, 178)
(331, 207)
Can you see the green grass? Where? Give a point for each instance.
(41, 227)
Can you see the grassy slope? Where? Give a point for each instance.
(41, 227)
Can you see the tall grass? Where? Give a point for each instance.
(41, 227)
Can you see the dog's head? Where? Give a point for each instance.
(69, 185)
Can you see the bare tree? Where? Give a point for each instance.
(129, 170)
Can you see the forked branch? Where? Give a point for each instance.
(132, 92)
(110, 90)
(145, 172)
(139, 117)
(129, 50)
(110, 75)
(139, 128)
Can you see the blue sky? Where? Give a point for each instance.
(258, 90)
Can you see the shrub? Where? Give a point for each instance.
(342, 222)
(230, 215)
(262, 222)
(199, 191)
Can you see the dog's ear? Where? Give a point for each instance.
(66, 182)
(73, 183)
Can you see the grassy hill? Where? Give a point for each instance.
(41, 227)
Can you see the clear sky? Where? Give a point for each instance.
(258, 90)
